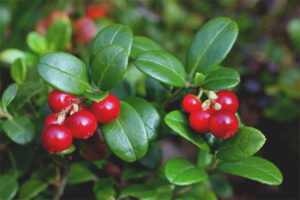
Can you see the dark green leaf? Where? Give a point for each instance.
(148, 114)
(139, 191)
(108, 66)
(211, 45)
(59, 35)
(96, 96)
(162, 66)
(126, 136)
(153, 157)
(199, 191)
(8, 187)
(177, 121)
(254, 168)
(64, 72)
(10, 55)
(220, 185)
(20, 130)
(79, 173)
(9, 94)
(204, 159)
(246, 142)
(180, 171)
(113, 34)
(129, 173)
(155, 90)
(31, 188)
(104, 190)
(18, 70)
(199, 79)
(37, 42)
(142, 45)
(123, 89)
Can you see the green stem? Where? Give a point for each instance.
(63, 181)
(214, 163)
(174, 97)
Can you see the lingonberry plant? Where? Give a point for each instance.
(92, 110)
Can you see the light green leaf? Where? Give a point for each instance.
(199, 79)
(18, 70)
(204, 159)
(96, 96)
(142, 45)
(79, 173)
(10, 55)
(37, 42)
(59, 35)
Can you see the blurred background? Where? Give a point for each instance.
(266, 54)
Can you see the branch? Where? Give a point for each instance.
(63, 181)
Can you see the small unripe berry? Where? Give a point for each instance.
(58, 100)
(191, 103)
(227, 100)
(199, 120)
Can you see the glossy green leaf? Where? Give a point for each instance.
(148, 114)
(199, 79)
(211, 45)
(139, 191)
(204, 159)
(64, 72)
(10, 55)
(246, 142)
(162, 66)
(178, 122)
(113, 34)
(37, 42)
(96, 96)
(180, 171)
(254, 168)
(59, 35)
(104, 190)
(32, 188)
(221, 78)
(20, 130)
(79, 173)
(199, 191)
(129, 173)
(126, 136)
(220, 185)
(18, 70)
(123, 89)
(8, 187)
(69, 150)
(142, 45)
(153, 158)
(108, 66)
(9, 94)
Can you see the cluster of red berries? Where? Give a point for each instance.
(72, 119)
(216, 115)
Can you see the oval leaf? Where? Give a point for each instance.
(180, 171)
(10, 55)
(96, 96)
(254, 168)
(142, 44)
(246, 142)
(211, 44)
(177, 121)
(104, 190)
(20, 130)
(37, 42)
(9, 94)
(10, 187)
(31, 188)
(108, 66)
(163, 67)
(113, 34)
(79, 173)
(204, 159)
(126, 136)
(64, 72)
(18, 70)
(148, 114)
(59, 35)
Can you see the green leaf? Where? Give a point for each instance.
(10, 55)
(199, 191)
(220, 185)
(153, 158)
(69, 150)
(108, 66)
(96, 96)
(162, 66)
(177, 121)
(20, 130)
(142, 44)
(221, 78)
(9, 187)
(129, 173)
(26, 90)
(123, 89)
(126, 136)
(18, 70)
(148, 114)
(211, 45)
(204, 159)
(64, 72)
(199, 79)
(104, 190)
(9, 94)
(180, 171)
(113, 34)
(79, 173)
(37, 42)
(139, 191)
(254, 168)
(32, 188)
(246, 142)
(59, 35)
(293, 29)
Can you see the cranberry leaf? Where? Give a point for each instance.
(142, 44)
(10, 188)
(18, 70)
(103, 189)
(59, 35)
(32, 188)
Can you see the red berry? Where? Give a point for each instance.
(223, 124)
(228, 100)
(191, 103)
(59, 14)
(52, 119)
(199, 120)
(56, 138)
(95, 12)
(58, 100)
(106, 110)
(82, 124)
(84, 29)
(42, 26)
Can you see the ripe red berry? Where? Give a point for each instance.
(95, 12)
(59, 14)
(106, 110)
(84, 29)
(223, 124)
(82, 124)
(228, 100)
(191, 103)
(58, 100)
(42, 26)
(199, 120)
(56, 138)
(52, 119)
